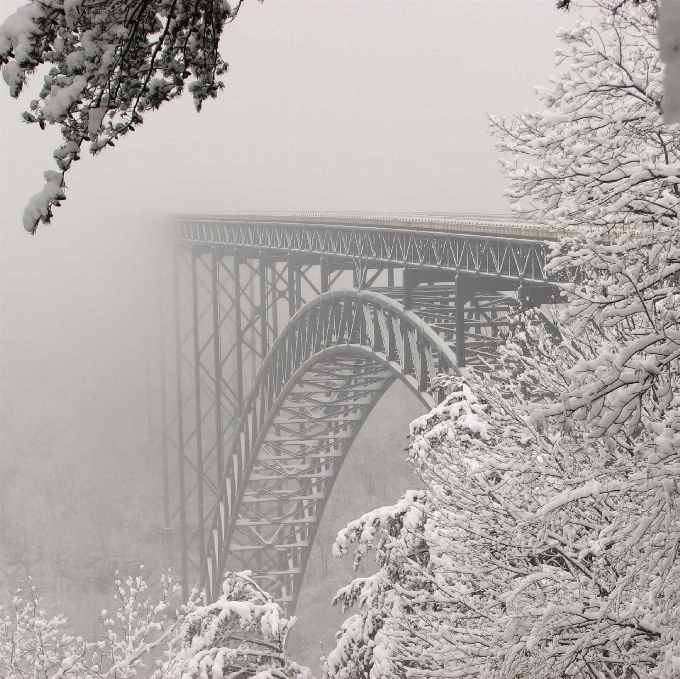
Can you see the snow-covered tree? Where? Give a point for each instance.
(111, 63)
(545, 541)
(33, 644)
(599, 154)
(533, 550)
(600, 164)
(241, 635)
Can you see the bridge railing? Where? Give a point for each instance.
(492, 225)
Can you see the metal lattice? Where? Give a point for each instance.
(364, 338)
(286, 335)
(489, 255)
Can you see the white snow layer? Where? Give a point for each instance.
(39, 205)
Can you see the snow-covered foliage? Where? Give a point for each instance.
(531, 551)
(111, 62)
(601, 164)
(545, 540)
(33, 644)
(241, 635)
(599, 154)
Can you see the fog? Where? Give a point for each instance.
(329, 105)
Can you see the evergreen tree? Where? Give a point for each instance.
(112, 62)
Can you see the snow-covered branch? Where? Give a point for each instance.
(241, 635)
(111, 63)
(533, 549)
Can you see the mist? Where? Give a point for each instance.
(329, 106)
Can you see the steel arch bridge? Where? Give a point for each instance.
(288, 329)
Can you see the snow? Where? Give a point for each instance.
(62, 97)
(95, 119)
(18, 33)
(100, 63)
(543, 540)
(14, 77)
(39, 207)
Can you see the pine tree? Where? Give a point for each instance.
(111, 63)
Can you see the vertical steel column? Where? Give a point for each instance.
(408, 305)
(297, 270)
(273, 286)
(408, 289)
(523, 297)
(424, 369)
(167, 530)
(199, 416)
(291, 287)
(324, 274)
(239, 330)
(462, 294)
(180, 435)
(219, 443)
(251, 325)
(264, 305)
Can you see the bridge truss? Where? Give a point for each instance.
(286, 334)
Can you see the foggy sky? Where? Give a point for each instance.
(329, 105)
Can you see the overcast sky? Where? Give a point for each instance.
(329, 105)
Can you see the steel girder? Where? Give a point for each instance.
(292, 475)
(318, 383)
(238, 287)
(228, 310)
(210, 310)
(516, 258)
(470, 324)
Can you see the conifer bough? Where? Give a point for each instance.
(112, 61)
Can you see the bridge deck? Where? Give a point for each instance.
(486, 246)
(474, 224)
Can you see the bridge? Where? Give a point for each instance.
(287, 331)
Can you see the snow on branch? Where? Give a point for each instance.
(241, 635)
(533, 550)
(600, 163)
(111, 62)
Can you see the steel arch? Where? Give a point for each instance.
(317, 385)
